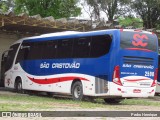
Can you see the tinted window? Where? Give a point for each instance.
(81, 47)
(11, 56)
(137, 40)
(23, 52)
(35, 51)
(100, 45)
(84, 47)
(49, 50)
(64, 48)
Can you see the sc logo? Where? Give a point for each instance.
(140, 40)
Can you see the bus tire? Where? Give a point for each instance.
(77, 91)
(49, 94)
(18, 86)
(112, 100)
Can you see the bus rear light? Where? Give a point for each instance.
(155, 78)
(116, 76)
(151, 91)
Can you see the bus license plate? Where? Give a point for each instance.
(136, 91)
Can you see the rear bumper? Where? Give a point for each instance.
(138, 92)
(122, 91)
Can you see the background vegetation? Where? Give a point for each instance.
(144, 13)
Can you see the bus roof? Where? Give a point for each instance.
(70, 33)
(64, 33)
(48, 35)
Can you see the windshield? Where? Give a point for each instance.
(138, 41)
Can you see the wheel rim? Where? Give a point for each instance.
(77, 91)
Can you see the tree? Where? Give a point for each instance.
(6, 5)
(88, 9)
(55, 8)
(130, 21)
(112, 8)
(149, 11)
(96, 10)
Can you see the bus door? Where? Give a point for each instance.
(9, 65)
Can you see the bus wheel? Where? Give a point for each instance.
(18, 86)
(77, 91)
(112, 100)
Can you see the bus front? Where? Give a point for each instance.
(136, 74)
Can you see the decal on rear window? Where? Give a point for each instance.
(138, 41)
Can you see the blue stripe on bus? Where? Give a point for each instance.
(87, 66)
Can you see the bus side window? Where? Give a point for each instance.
(49, 50)
(81, 47)
(36, 50)
(100, 45)
(11, 56)
(64, 48)
(23, 52)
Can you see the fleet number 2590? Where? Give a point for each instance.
(149, 74)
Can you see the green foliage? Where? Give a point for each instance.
(112, 8)
(149, 11)
(131, 21)
(55, 8)
(5, 5)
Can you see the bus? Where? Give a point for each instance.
(110, 64)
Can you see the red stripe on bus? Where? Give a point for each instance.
(135, 80)
(139, 49)
(55, 80)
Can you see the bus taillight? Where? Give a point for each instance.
(116, 76)
(155, 78)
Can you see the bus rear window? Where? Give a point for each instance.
(138, 41)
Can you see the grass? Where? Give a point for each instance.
(25, 102)
(145, 102)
